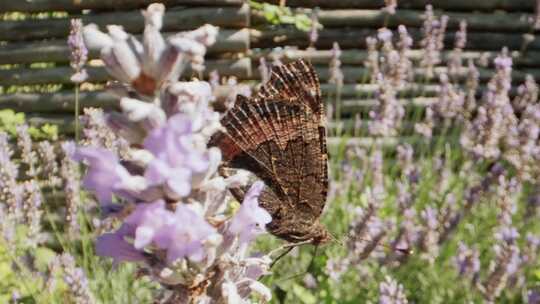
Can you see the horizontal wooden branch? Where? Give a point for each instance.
(240, 68)
(66, 125)
(359, 74)
(460, 5)
(56, 50)
(354, 98)
(414, 18)
(356, 38)
(132, 21)
(387, 142)
(35, 6)
(358, 56)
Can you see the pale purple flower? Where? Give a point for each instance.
(28, 155)
(78, 289)
(78, 51)
(182, 234)
(11, 193)
(187, 236)
(336, 74)
(467, 261)
(174, 205)
(533, 296)
(147, 66)
(251, 219)
(115, 246)
(32, 211)
(391, 292)
(176, 157)
(314, 31)
(105, 175)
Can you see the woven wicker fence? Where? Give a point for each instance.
(35, 58)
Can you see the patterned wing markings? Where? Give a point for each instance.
(280, 137)
(297, 82)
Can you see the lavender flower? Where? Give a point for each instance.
(336, 75)
(78, 51)
(49, 165)
(391, 292)
(161, 59)
(76, 281)
(471, 87)
(505, 264)
(527, 93)
(467, 262)
(389, 112)
(106, 176)
(32, 212)
(314, 31)
(11, 192)
(251, 219)
(450, 100)
(28, 155)
(405, 66)
(455, 60)
(433, 40)
(69, 172)
(429, 236)
(164, 181)
(372, 59)
(99, 131)
(495, 119)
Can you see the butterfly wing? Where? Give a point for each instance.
(280, 137)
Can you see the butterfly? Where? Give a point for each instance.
(280, 136)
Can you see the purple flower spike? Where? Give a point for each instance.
(251, 219)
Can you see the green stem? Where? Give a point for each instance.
(76, 113)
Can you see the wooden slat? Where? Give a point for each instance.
(387, 142)
(240, 68)
(35, 6)
(56, 50)
(355, 38)
(132, 21)
(496, 22)
(459, 5)
(24, 76)
(358, 56)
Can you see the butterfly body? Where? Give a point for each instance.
(280, 136)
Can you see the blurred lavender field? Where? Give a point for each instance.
(434, 180)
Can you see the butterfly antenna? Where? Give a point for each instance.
(287, 247)
(345, 239)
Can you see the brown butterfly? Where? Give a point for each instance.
(280, 136)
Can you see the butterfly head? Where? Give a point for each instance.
(319, 234)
